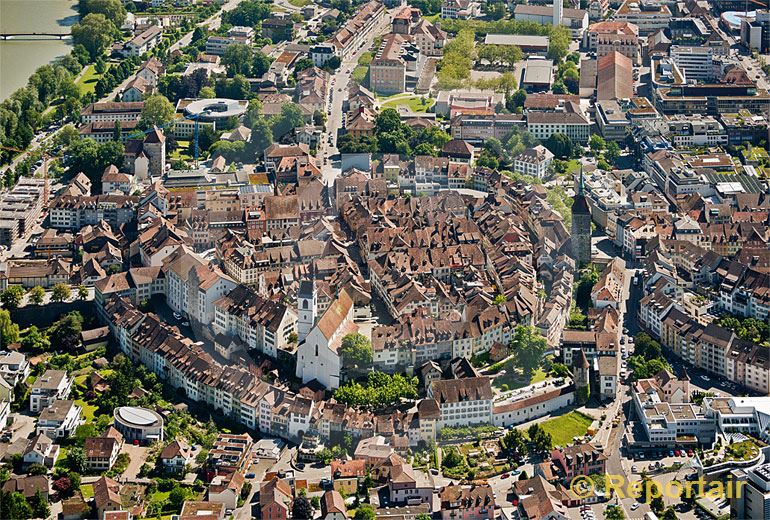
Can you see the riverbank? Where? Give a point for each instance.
(19, 58)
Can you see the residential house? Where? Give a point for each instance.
(47, 388)
(59, 419)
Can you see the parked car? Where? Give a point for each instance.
(634, 506)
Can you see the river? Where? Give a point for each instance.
(19, 58)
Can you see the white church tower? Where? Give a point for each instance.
(307, 308)
(558, 8)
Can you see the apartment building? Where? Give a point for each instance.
(111, 111)
(696, 130)
(610, 36)
(50, 386)
(477, 128)
(396, 67)
(568, 121)
(697, 63)
(647, 15)
(143, 42)
(463, 402)
(533, 161)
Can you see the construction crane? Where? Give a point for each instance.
(45, 170)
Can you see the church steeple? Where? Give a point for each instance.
(580, 181)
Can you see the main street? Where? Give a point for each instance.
(339, 85)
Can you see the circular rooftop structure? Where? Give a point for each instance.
(216, 109)
(132, 415)
(138, 424)
(732, 19)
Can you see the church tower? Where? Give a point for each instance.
(581, 376)
(581, 226)
(558, 8)
(307, 308)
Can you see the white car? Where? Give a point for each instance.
(177, 316)
(634, 506)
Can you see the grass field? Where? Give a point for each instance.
(89, 410)
(87, 82)
(413, 103)
(299, 3)
(567, 426)
(87, 490)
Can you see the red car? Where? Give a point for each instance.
(690, 453)
(505, 475)
(676, 453)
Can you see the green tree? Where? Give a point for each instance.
(177, 497)
(82, 292)
(669, 514)
(157, 111)
(35, 341)
(290, 118)
(248, 13)
(237, 59)
(528, 347)
(559, 144)
(37, 295)
(613, 152)
(613, 512)
(365, 512)
(515, 443)
(113, 10)
(60, 292)
(95, 33)
(558, 42)
(261, 137)
(302, 508)
(356, 350)
(12, 296)
(9, 331)
(65, 332)
(76, 460)
(14, 505)
(260, 64)
(91, 158)
(596, 143)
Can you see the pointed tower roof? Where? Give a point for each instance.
(685, 376)
(580, 205)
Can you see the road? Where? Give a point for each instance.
(340, 83)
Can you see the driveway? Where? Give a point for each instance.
(138, 455)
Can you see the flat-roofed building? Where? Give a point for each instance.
(396, 67)
(695, 62)
(538, 75)
(529, 44)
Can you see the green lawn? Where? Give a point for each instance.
(432, 18)
(567, 426)
(413, 103)
(515, 379)
(299, 3)
(87, 82)
(89, 410)
(87, 490)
